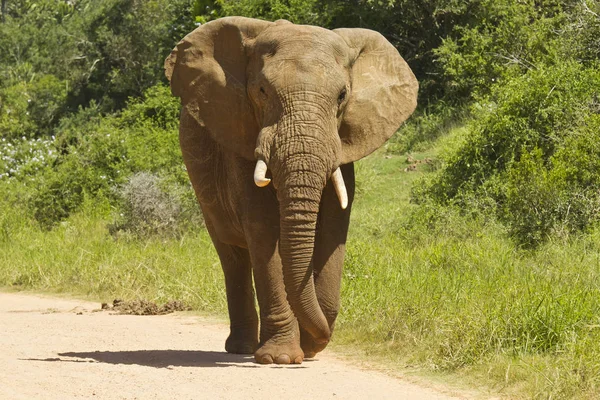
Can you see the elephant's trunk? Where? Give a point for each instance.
(299, 207)
(301, 167)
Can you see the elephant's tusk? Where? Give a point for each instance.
(340, 188)
(259, 174)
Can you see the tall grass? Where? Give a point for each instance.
(80, 257)
(435, 289)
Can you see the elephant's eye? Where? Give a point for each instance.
(342, 96)
(263, 92)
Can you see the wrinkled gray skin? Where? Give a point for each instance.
(304, 100)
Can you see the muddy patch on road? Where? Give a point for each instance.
(144, 307)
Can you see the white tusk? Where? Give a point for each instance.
(259, 174)
(340, 188)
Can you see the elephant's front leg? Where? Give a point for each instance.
(328, 257)
(279, 333)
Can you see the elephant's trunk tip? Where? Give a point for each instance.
(260, 172)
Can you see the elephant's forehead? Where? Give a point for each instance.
(290, 40)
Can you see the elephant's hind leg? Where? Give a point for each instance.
(243, 336)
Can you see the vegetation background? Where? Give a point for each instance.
(475, 246)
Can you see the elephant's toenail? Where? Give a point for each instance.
(298, 360)
(266, 359)
(283, 359)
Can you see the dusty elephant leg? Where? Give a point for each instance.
(279, 334)
(328, 258)
(243, 336)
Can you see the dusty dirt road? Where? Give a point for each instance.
(54, 348)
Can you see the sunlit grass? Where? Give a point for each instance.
(434, 290)
(80, 257)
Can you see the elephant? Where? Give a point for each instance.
(273, 116)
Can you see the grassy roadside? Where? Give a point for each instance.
(426, 291)
(450, 296)
(81, 258)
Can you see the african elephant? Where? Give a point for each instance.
(295, 105)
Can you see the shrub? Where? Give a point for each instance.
(499, 40)
(94, 153)
(15, 121)
(157, 106)
(31, 109)
(23, 159)
(310, 12)
(533, 199)
(48, 102)
(581, 33)
(150, 206)
(425, 127)
(531, 152)
(60, 191)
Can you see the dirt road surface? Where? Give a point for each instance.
(54, 348)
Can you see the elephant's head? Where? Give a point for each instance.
(300, 101)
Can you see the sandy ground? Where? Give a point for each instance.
(54, 348)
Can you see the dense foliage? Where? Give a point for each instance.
(531, 153)
(524, 74)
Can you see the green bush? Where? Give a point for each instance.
(58, 196)
(157, 106)
(581, 33)
(501, 39)
(534, 199)
(151, 139)
(562, 197)
(15, 121)
(22, 160)
(48, 102)
(311, 12)
(424, 127)
(32, 109)
(530, 154)
(93, 154)
(104, 50)
(89, 170)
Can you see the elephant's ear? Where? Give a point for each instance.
(383, 95)
(207, 70)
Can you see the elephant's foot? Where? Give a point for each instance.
(282, 347)
(242, 341)
(309, 346)
(279, 353)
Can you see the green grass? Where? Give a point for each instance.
(432, 290)
(80, 257)
(425, 290)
